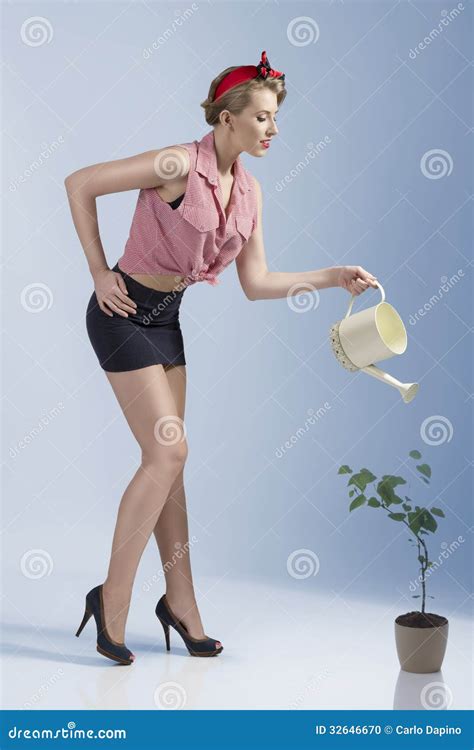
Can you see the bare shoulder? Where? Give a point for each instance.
(257, 184)
(258, 190)
(171, 163)
(153, 168)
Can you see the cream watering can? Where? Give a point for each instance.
(369, 336)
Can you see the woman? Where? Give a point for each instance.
(198, 209)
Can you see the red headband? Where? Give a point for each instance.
(247, 73)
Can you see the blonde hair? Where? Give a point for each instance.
(238, 97)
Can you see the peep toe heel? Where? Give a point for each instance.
(105, 644)
(196, 646)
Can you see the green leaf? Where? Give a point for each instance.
(427, 521)
(362, 479)
(373, 502)
(415, 454)
(424, 469)
(386, 486)
(397, 516)
(438, 512)
(357, 502)
(393, 480)
(414, 521)
(421, 559)
(405, 506)
(351, 493)
(344, 469)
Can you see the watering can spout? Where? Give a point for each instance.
(408, 391)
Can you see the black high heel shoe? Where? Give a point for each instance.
(105, 645)
(196, 646)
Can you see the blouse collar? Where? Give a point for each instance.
(206, 164)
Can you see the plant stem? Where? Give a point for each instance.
(424, 565)
(424, 568)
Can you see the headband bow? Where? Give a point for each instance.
(264, 68)
(247, 73)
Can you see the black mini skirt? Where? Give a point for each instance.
(150, 336)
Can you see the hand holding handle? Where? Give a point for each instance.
(355, 295)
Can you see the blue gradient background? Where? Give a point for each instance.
(254, 368)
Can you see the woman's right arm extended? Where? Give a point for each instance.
(149, 169)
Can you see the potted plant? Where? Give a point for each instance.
(420, 636)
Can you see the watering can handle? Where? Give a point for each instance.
(355, 295)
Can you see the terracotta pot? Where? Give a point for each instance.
(421, 641)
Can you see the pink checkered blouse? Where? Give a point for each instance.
(195, 240)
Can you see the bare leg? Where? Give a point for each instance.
(145, 398)
(171, 532)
